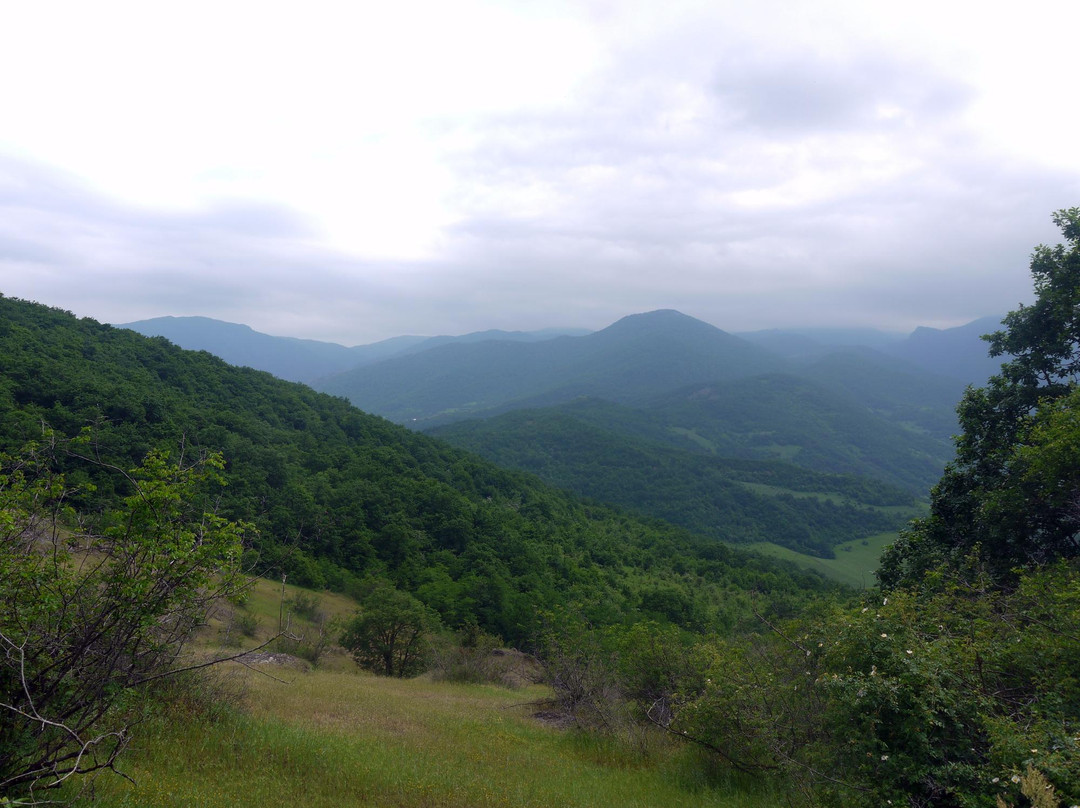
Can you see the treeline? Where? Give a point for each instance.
(338, 495)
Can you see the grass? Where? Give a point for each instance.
(334, 738)
(854, 564)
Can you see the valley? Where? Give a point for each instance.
(674, 566)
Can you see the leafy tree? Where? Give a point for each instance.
(387, 635)
(90, 613)
(991, 501)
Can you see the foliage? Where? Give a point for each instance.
(733, 500)
(1000, 499)
(389, 632)
(473, 655)
(92, 612)
(923, 700)
(338, 495)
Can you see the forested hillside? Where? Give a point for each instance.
(337, 494)
(734, 500)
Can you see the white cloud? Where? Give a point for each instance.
(351, 171)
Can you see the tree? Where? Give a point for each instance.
(388, 632)
(987, 507)
(92, 612)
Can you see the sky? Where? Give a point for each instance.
(352, 171)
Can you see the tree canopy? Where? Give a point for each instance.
(1009, 499)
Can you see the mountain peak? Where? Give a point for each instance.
(661, 320)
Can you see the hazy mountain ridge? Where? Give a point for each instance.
(855, 409)
(628, 362)
(956, 353)
(303, 360)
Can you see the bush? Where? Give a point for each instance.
(471, 655)
(940, 699)
(91, 614)
(389, 633)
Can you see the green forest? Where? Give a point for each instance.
(730, 499)
(143, 486)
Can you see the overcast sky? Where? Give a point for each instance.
(352, 171)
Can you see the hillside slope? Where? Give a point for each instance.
(338, 494)
(733, 500)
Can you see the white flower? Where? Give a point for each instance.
(1015, 778)
(909, 652)
(884, 757)
(884, 636)
(885, 602)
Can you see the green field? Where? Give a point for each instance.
(350, 739)
(854, 564)
(333, 735)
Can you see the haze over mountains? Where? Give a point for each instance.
(301, 360)
(956, 353)
(657, 412)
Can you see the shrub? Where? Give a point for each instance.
(389, 632)
(91, 614)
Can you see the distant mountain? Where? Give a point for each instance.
(629, 361)
(957, 352)
(289, 358)
(896, 390)
(302, 360)
(808, 342)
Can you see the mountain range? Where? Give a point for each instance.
(336, 496)
(657, 411)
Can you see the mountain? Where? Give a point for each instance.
(303, 360)
(337, 495)
(957, 352)
(954, 353)
(629, 362)
(898, 391)
(810, 342)
(299, 360)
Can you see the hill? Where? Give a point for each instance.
(337, 494)
(301, 360)
(784, 417)
(896, 390)
(627, 362)
(957, 352)
(733, 500)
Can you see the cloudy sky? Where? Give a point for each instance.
(352, 171)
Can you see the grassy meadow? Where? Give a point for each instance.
(854, 564)
(350, 739)
(331, 735)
